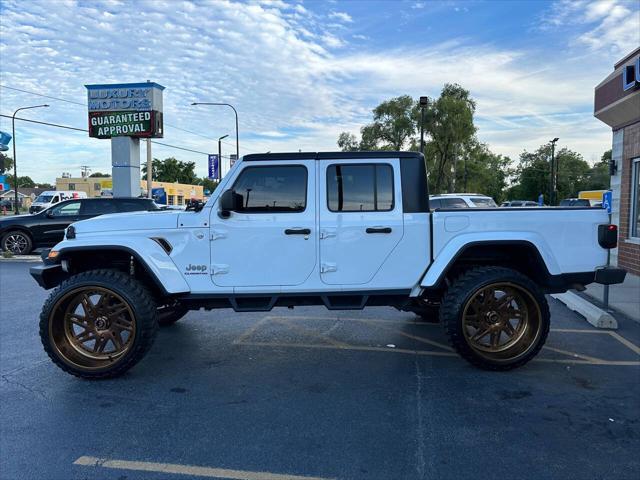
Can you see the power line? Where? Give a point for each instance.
(85, 131)
(85, 106)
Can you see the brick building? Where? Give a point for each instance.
(617, 103)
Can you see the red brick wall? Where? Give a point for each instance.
(628, 253)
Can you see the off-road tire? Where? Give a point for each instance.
(463, 290)
(170, 314)
(26, 250)
(134, 293)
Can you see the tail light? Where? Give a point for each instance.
(608, 236)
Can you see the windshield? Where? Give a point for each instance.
(483, 202)
(44, 198)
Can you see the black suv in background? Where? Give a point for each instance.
(20, 234)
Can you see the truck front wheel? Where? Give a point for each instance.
(98, 324)
(495, 317)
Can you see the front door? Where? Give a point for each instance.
(54, 221)
(271, 239)
(360, 218)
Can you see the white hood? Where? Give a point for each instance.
(129, 221)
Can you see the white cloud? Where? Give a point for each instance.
(610, 25)
(418, 5)
(342, 16)
(281, 68)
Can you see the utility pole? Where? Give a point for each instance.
(84, 171)
(15, 159)
(552, 176)
(149, 170)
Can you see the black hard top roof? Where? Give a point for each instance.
(328, 155)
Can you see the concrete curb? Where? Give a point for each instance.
(593, 314)
(21, 258)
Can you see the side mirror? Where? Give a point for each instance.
(50, 214)
(230, 201)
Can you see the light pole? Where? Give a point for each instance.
(552, 177)
(220, 154)
(15, 160)
(235, 112)
(424, 102)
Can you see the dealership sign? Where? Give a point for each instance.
(125, 109)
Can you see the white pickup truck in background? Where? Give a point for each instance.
(343, 230)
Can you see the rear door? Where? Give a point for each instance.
(360, 218)
(270, 241)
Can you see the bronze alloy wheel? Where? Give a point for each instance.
(92, 327)
(501, 321)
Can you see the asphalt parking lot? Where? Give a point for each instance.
(309, 393)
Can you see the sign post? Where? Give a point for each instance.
(607, 200)
(124, 113)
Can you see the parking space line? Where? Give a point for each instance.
(365, 348)
(306, 331)
(247, 333)
(413, 337)
(577, 330)
(193, 470)
(632, 346)
(573, 354)
(362, 348)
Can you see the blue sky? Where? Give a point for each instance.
(300, 72)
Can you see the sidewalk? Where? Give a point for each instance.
(624, 297)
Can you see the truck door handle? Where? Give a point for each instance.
(378, 230)
(297, 231)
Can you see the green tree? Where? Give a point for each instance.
(172, 170)
(208, 184)
(482, 171)
(23, 182)
(531, 176)
(449, 124)
(6, 163)
(99, 175)
(599, 178)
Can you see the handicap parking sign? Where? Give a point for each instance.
(607, 199)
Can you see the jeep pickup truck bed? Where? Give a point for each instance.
(345, 230)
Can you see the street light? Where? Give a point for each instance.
(552, 178)
(235, 112)
(15, 160)
(220, 153)
(424, 103)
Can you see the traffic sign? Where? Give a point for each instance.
(607, 200)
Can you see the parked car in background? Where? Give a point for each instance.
(51, 197)
(520, 203)
(576, 202)
(461, 200)
(20, 234)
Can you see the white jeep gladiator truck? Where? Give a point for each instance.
(345, 230)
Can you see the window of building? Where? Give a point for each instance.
(72, 186)
(171, 199)
(96, 186)
(360, 188)
(273, 189)
(180, 200)
(635, 198)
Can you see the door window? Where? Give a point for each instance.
(55, 199)
(66, 209)
(272, 189)
(435, 203)
(360, 188)
(98, 207)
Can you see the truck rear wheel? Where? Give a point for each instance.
(98, 324)
(496, 318)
